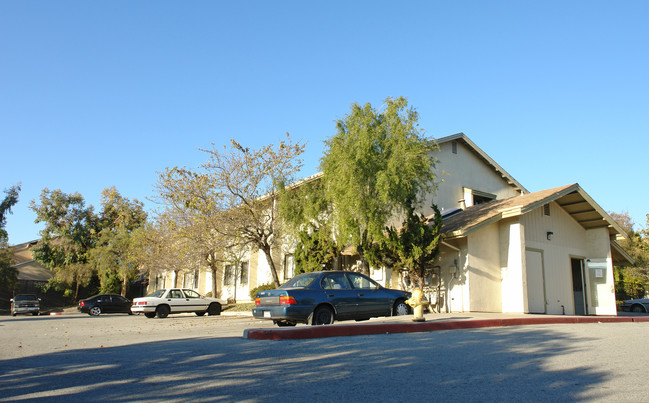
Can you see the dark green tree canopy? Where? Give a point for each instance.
(376, 166)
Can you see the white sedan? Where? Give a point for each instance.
(176, 300)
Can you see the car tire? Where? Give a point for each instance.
(162, 311)
(637, 309)
(130, 312)
(214, 309)
(400, 308)
(282, 323)
(323, 315)
(94, 311)
(149, 315)
(200, 313)
(34, 313)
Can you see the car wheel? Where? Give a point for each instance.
(400, 308)
(282, 323)
(130, 312)
(162, 311)
(637, 309)
(149, 315)
(200, 313)
(34, 313)
(94, 311)
(323, 315)
(214, 309)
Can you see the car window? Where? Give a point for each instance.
(175, 294)
(191, 294)
(335, 281)
(301, 280)
(25, 298)
(157, 294)
(361, 282)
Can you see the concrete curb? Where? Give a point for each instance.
(314, 332)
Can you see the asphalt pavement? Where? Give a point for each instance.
(74, 357)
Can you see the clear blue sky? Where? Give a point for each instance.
(100, 94)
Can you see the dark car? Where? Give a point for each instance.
(639, 305)
(319, 298)
(105, 303)
(25, 303)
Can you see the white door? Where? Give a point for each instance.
(535, 281)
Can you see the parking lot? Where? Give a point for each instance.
(76, 357)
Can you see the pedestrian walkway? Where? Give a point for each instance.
(434, 322)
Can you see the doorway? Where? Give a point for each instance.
(578, 289)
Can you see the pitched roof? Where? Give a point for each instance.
(571, 198)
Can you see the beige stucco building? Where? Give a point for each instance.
(505, 249)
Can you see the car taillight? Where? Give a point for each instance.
(257, 301)
(81, 303)
(139, 303)
(287, 300)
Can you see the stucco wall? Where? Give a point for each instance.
(461, 170)
(569, 240)
(514, 289)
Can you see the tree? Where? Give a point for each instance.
(70, 232)
(8, 276)
(416, 245)
(242, 186)
(113, 256)
(372, 168)
(632, 281)
(305, 213)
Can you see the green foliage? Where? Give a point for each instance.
(632, 281)
(8, 276)
(315, 250)
(416, 245)
(263, 287)
(375, 167)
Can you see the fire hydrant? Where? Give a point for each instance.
(418, 302)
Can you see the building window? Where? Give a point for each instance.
(228, 276)
(289, 266)
(454, 147)
(244, 273)
(474, 197)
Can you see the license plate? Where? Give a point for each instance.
(266, 314)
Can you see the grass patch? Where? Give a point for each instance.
(240, 307)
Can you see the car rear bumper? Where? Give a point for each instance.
(143, 308)
(283, 313)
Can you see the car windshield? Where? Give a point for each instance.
(25, 298)
(301, 280)
(157, 294)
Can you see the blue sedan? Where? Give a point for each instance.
(319, 298)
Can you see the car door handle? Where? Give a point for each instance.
(331, 295)
(361, 295)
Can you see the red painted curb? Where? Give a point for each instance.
(315, 332)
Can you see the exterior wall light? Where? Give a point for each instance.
(550, 235)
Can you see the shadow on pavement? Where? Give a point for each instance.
(478, 364)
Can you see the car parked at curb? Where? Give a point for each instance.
(638, 305)
(105, 303)
(176, 300)
(25, 303)
(320, 298)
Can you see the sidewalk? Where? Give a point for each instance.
(434, 322)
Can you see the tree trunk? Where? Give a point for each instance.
(213, 269)
(124, 285)
(271, 264)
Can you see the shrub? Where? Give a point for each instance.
(263, 287)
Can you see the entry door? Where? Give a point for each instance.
(578, 286)
(535, 281)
